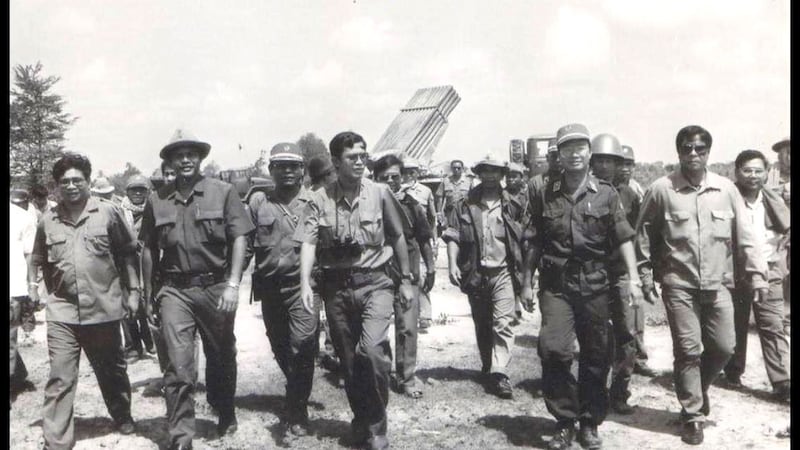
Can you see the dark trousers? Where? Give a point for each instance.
(184, 312)
(406, 322)
(563, 319)
(769, 321)
(359, 315)
(137, 335)
(622, 337)
(293, 333)
(703, 339)
(103, 346)
(17, 372)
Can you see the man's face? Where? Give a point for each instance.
(574, 155)
(286, 173)
(186, 161)
(604, 167)
(391, 177)
(752, 174)
(137, 194)
(169, 174)
(514, 180)
(785, 157)
(490, 176)
(625, 171)
(410, 175)
(539, 165)
(352, 163)
(693, 154)
(73, 186)
(457, 169)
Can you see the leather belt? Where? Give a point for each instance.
(353, 275)
(186, 280)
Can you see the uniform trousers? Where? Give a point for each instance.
(293, 333)
(103, 346)
(184, 312)
(359, 313)
(623, 320)
(703, 339)
(565, 318)
(492, 306)
(405, 340)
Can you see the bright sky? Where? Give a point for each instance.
(262, 72)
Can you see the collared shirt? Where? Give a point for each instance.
(768, 240)
(194, 233)
(276, 251)
(493, 247)
(80, 262)
(584, 226)
(453, 190)
(637, 188)
(22, 229)
(684, 233)
(372, 220)
(416, 229)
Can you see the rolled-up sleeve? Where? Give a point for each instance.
(451, 233)
(39, 250)
(237, 221)
(392, 222)
(123, 242)
(621, 230)
(307, 232)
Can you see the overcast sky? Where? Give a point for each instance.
(262, 72)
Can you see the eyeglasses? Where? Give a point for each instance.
(700, 149)
(393, 177)
(77, 182)
(353, 157)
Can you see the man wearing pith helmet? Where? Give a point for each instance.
(198, 225)
(483, 237)
(576, 222)
(291, 328)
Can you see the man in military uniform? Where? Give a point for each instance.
(778, 180)
(517, 187)
(483, 238)
(418, 234)
(625, 172)
(199, 225)
(689, 220)
(576, 222)
(539, 181)
(453, 188)
(87, 255)
(768, 217)
(291, 329)
(356, 226)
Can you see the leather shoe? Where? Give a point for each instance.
(692, 433)
(783, 391)
(563, 438)
(227, 425)
(588, 438)
(298, 429)
(502, 387)
(126, 426)
(622, 407)
(733, 381)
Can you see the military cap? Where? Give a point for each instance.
(627, 153)
(516, 167)
(137, 181)
(319, 166)
(18, 195)
(183, 138)
(551, 146)
(780, 144)
(411, 163)
(102, 186)
(490, 161)
(606, 144)
(572, 132)
(286, 151)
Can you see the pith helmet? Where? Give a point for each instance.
(780, 144)
(137, 181)
(183, 138)
(102, 186)
(572, 132)
(490, 161)
(515, 167)
(18, 195)
(606, 144)
(410, 163)
(627, 153)
(286, 151)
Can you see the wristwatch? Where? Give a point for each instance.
(233, 284)
(407, 277)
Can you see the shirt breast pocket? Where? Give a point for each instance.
(596, 223)
(553, 225)
(212, 226)
(721, 223)
(56, 246)
(97, 241)
(372, 227)
(164, 231)
(678, 227)
(266, 235)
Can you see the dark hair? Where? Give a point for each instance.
(72, 161)
(39, 191)
(165, 164)
(691, 130)
(456, 161)
(383, 164)
(748, 155)
(345, 140)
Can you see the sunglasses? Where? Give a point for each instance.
(700, 149)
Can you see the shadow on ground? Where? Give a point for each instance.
(650, 419)
(450, 373)
(521, 431)
(526, 340)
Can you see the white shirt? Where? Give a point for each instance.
(22, 227)
(767, 239)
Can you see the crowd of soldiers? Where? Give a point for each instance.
(160, 268)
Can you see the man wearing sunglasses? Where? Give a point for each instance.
(689, 222)
(353, 228)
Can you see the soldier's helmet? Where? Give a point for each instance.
(490, 161)
(606, 144)
(516, 167)
(137, 181)
(102, 186)
(627, 153)
(183, 138)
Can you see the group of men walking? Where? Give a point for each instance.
(359, 244)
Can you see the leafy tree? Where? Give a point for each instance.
(311, 145)
(211, 169)
(118, 180)
(37, 125)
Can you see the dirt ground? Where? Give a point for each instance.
(455, 412)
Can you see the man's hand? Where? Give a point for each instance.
(406, 294)
(637, 294)
(455, 275)
(761, 295)
(650, 294)
(33, 293)
(152, 316)
(229, 299)
(527, 299)
(307, 296)
(133, 302)
(430, 277)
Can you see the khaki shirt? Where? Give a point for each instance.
(684, 234)
(493, 247)
(454, 190)
(372, 220)
(81, 262)
(194, 233)
(276, 251)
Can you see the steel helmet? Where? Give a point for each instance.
(606, 144)
(627, 153)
